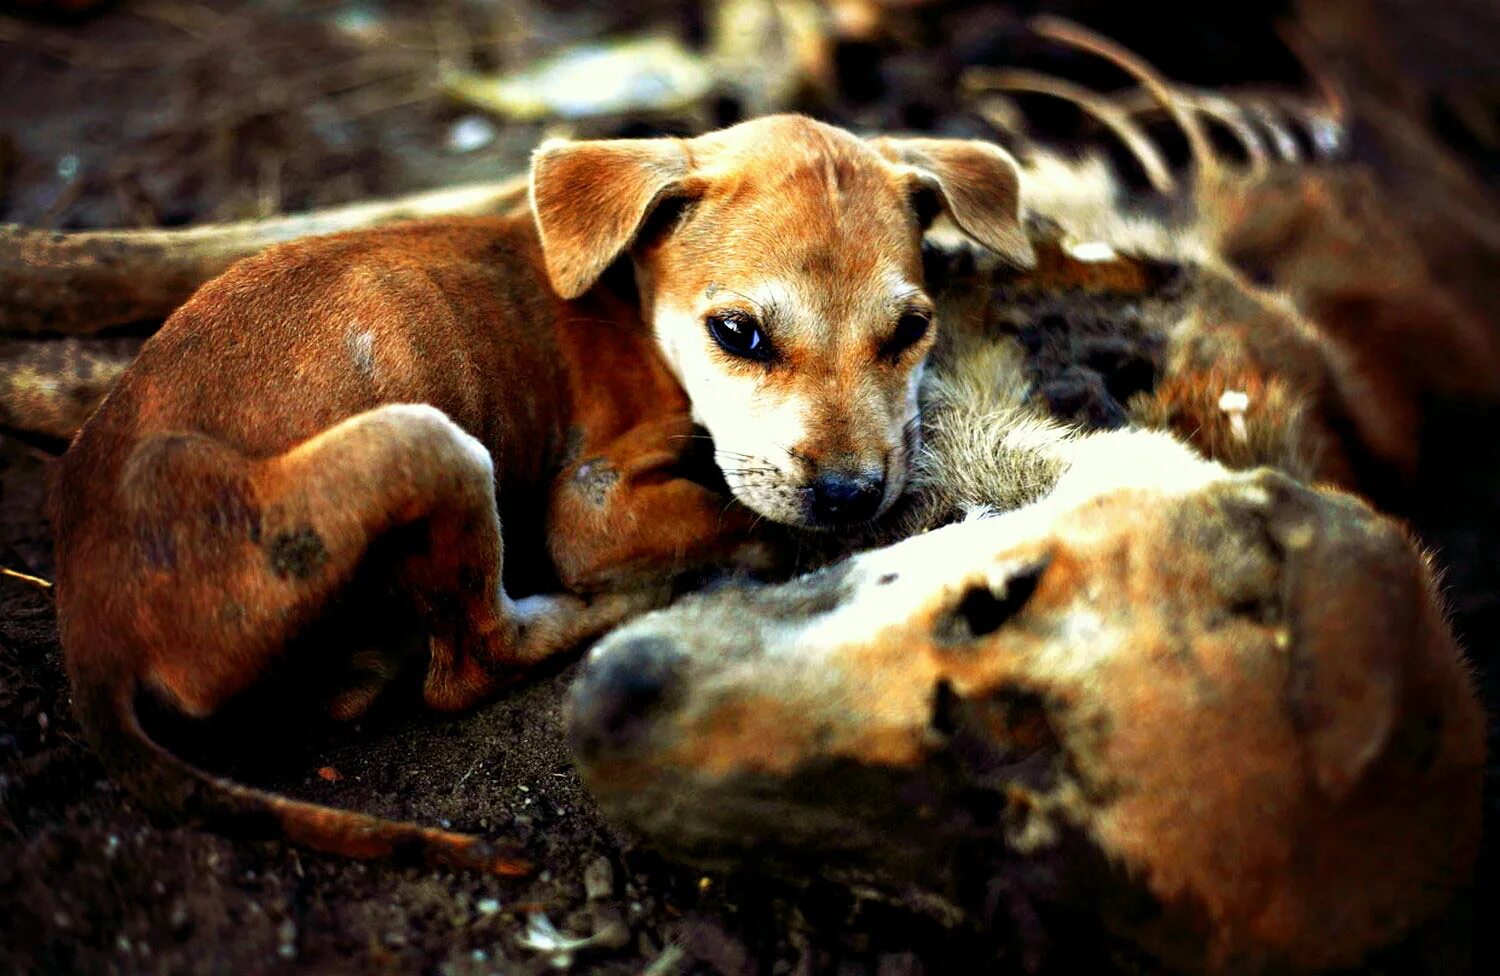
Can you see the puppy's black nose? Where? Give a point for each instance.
(614, 699)
(843, 499)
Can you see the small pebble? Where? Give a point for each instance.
(1090, 252)
(599, 879)
(286, 935)
(359, 21)
(470, 133)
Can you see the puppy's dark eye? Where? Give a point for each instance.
(739, 337)
(909, 331)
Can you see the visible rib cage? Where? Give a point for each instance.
(1287, 317)
(1271, 127)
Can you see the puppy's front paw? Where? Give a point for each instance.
(543, 607)
(549, 624)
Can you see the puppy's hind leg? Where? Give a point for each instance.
(409, 467)
(408, 473)
(373, 671)
(246, 555)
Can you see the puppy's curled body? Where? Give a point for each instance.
(378, 402)
(241, 500)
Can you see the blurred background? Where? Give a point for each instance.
(168, 112)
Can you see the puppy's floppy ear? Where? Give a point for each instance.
(591, 198)
(977, 183)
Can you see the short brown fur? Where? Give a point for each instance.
(443, 375)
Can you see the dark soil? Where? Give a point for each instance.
(174, 112)
(89, 884)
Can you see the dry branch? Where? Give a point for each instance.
(51, 386)
(83, 283)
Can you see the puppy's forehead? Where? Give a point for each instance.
(823, 195)
(809, 193)
(795, 216)
(773, 141)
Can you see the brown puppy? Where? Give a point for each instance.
(406, 388)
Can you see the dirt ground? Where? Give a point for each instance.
(169, 112)
(88, 884)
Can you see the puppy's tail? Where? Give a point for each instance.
(169, 785)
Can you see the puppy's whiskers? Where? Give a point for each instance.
(742, 472)
(795, 454)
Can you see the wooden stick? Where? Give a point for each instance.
(83, 283)
(36, 581)
(51, 386)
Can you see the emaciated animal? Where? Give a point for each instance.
(1178, 685)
